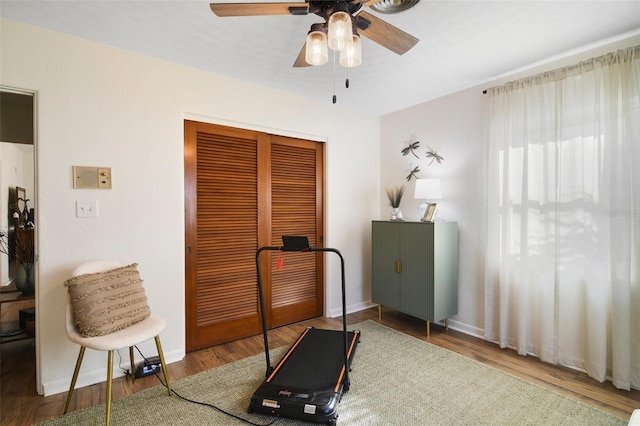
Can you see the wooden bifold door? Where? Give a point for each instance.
(243, 190)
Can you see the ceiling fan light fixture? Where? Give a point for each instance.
(316, 52)
(393, 6)
(340, 32)
(352, 55)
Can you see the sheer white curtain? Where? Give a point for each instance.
(562, 279)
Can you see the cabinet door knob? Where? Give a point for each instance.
(398, 266)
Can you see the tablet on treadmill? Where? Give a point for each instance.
(290, 242)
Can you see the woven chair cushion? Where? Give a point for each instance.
(105, 302)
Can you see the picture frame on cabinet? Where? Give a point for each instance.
(430, 214)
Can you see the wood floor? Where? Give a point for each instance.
(22, 406)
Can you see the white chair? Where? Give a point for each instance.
(149, 328)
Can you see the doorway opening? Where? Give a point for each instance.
(18, 228)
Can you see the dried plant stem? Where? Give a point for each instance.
(395, 196)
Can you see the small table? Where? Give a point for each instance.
(10, 331)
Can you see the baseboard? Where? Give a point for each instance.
(466, 329)
(98, 376)
(453, 324)
(334, 313)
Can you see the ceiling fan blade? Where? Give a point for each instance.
(367, 3)
(300, 61)
(259, 9)
(384, 33)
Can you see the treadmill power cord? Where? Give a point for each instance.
(206, 404)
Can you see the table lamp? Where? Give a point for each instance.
(428, 190)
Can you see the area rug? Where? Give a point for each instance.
(396, 380)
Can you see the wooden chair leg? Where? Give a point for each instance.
(164, 366)
(109, 385)
(75, 377)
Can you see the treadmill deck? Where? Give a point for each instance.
(308, 382)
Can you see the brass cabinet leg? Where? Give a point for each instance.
(446, 324)
(379, 312)
(164, 366)
(73, 380)
(109, 385)
(428, 328)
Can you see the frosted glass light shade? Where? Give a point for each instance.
(316, 52)
(340, 32)
(351, 56)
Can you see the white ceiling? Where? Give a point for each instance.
(462, 43)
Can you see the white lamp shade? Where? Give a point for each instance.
(428, 189)
(340, 31)
(316, 52)
(351, 56)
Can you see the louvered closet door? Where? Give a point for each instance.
(244, 190)
(296, 209)
(222, 234)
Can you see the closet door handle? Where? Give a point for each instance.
(398, 266)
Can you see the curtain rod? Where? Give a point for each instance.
(586, 64)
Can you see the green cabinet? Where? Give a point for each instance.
(415, 268)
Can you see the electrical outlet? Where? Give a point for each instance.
(149, 366)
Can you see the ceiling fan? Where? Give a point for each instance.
(343, 18)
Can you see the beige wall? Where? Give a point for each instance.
(102, 106)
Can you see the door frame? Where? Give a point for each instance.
(34, 95)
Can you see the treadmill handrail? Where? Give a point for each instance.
(344, 304)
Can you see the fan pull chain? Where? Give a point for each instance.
(335, 98)
(346, 82)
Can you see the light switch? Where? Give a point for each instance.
(86, 209)
(104, 177)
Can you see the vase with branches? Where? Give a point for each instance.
(395, 196)
(20, 250)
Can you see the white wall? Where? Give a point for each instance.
(101, 106)
(455, 125)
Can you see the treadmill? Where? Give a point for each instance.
(308, 382)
